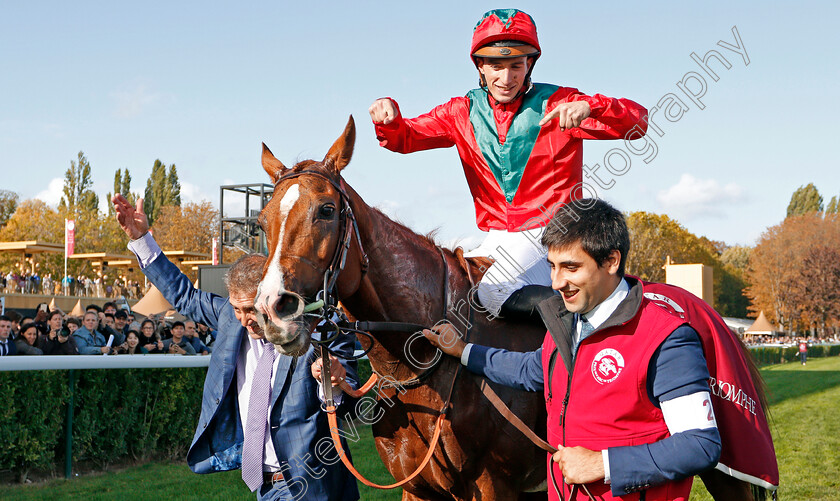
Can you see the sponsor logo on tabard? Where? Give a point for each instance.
(667, 303)
(607, 365)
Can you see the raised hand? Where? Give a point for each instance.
(383, 111)
(132, 220)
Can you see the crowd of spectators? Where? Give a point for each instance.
(31, 283)
(100, 331)
(785, 340)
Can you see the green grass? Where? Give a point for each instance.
(805, 421)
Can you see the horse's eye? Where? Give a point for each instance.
(327, 211)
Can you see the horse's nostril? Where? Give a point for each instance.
(287, 305)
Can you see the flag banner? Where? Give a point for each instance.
(69, 236)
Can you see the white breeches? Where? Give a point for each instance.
(520, 260)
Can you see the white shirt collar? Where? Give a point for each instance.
(599, 314)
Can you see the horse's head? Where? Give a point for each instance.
(302, 224)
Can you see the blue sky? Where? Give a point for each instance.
(201, 84)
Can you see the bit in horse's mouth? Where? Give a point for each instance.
(296, 346)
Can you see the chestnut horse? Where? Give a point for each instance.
(409, 279)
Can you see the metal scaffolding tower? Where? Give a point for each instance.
(243, 232)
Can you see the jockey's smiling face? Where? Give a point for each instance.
(504, 77)
(583, 283)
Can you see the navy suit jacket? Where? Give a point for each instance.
(11, 349)
(297, 423)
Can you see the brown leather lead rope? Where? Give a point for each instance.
(332, 419)
(513, 419)
(333, 422)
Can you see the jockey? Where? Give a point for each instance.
(521, 148)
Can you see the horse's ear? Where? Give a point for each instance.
(342, 149)
(272, 166)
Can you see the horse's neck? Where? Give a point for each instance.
(405, 272)
(404, 282)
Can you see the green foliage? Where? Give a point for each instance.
(8, 205)
(122, 186)
(79, 196)
(162, 190)
(778, 355)
(117, 413)
(833, 206)
(173, 193)
(805, 199)
(31, 418)
(737, 258)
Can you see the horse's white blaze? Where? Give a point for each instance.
(273, 280)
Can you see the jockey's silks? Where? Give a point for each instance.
(519, 173)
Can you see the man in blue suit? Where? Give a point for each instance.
(297, 431)
(7, 346)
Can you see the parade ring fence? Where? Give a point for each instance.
(99, 409)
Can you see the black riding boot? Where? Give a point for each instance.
(522, 304)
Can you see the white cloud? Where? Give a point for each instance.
(692, 197)
(52, 195)
(191, 193)
(131, 102)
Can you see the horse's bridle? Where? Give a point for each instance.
(350, 227)
(326, 300)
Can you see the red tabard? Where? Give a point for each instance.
(747, 446)
(607, 404)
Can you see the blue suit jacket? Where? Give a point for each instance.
(297, 422)
(10, 346)
(89, 343)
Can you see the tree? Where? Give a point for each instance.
(736, 257)
(122, 186)
(833, 206)
(162, 189)
(804, 200)
(34, 220)
(190, 227)
(776, 273)
(654, 237)
(818, 281)
(8, 205)
(173, 191)
(78, 195)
